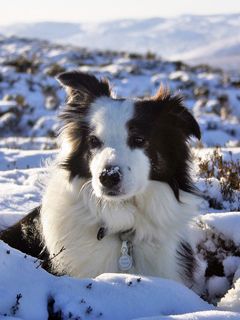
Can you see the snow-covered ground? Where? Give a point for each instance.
(29, 101)
(28, 292)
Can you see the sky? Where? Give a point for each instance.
(13, 11)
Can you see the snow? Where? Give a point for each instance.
(5, 105)
(24, 159)
(109, 295)
(19, 277)
(231, 265)
(217, 286)
(231, 299)
(227, 223)
(198, 39)
(29, 107)
(124, 296)
(209, 315)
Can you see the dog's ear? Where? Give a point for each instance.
(83, 84)
(176, 113)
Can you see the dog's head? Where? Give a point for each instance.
(122, 144)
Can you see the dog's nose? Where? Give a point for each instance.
(110, 176)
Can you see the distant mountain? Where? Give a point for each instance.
(52, 31)
(211, 39)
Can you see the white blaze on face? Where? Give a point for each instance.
(108, 119)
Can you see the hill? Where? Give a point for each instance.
(172, 38)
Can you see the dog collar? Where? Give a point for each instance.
(125, 261)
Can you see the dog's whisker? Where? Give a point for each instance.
(84, 186)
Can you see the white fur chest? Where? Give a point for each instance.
(71, 216)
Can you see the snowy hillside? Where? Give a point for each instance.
(29, 102)
(173, 38)
(30, 95)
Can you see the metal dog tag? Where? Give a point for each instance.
(125, 262)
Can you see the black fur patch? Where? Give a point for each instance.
(186, 262)
(82, 90)
(77, 162)
(25, 235)
(166, 126)
(85, 83)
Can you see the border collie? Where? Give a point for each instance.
(119, 193)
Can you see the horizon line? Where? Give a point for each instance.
(120, 19)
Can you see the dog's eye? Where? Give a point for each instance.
(94, 142)
(138, 141)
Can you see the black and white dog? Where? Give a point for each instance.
(119, 193)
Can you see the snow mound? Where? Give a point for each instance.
(29, 292)
(202, 315)
(231, 301)
(226, 223)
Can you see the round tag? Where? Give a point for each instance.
(125, 262)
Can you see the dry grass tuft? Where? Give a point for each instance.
(227, 172)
